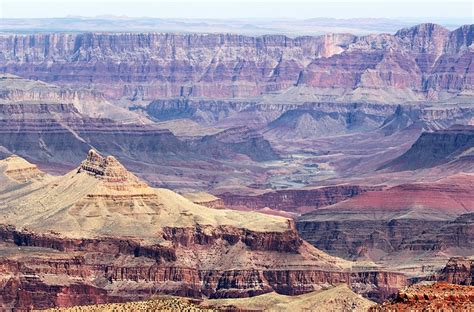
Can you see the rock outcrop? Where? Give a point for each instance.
(59, 133)
(20, 170)
(294, 201)
(458, 270)
(90, 102)
(237, 140)
(430, 297)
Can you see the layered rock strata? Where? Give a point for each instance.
(413, 64)
(434, 297)
(124, 240)
(294, 201)
(398, 225)
(436, 148)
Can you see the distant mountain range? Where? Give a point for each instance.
(251, 26)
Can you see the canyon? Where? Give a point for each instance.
(306, 170)
(83, 237)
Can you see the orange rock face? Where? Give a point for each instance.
(435, 297)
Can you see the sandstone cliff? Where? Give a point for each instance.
(414, 61)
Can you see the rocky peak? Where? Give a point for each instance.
(111, 172)
(424, 38)
(458, 270)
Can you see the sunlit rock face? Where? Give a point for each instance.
(416, 61)
(101, 223)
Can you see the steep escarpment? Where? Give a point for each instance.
(398, 225)
(436, 148)
(59, 133)
(339, 298)
(458, 270)
(380, 62)
(414, 61)
(220, 65)
(88, 101)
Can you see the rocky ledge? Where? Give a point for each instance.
(430, 297)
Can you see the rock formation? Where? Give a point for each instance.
(458, 270)
(431, 297)
(88, 101)
(437, 148)
(294, 201)
(20, 170)
(58, 133)
(121, 240)
(339, 298)
(397, 225)
(410, 65)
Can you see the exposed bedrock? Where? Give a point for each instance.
(417, 217)
(458, 270)
(288, 241)
(85, 280)
(352, 239)
(297, 201)
(212, 111)
(122, 270)
(436, 148)
(376, 240)
(416, 60)
(59, 133)
(439, 296)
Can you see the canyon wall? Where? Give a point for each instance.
(294, 201)
(59, 133)
(416, 61)
(117, 270)
(436, 148)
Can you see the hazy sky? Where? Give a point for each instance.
(302, 9)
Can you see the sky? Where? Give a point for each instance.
(224, 9)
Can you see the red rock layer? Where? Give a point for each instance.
(297, 201)
(109, 270)
(412, 217)
(436, 297)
